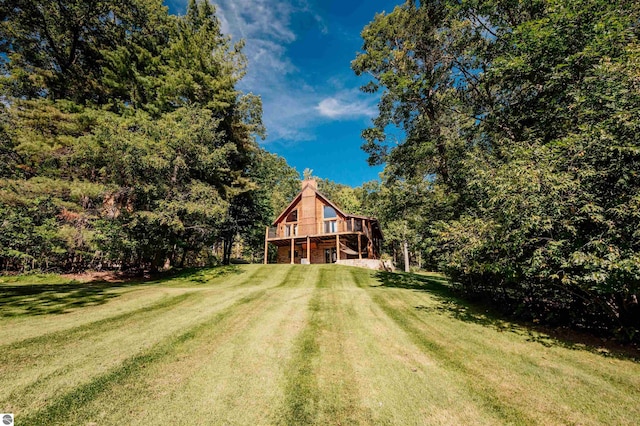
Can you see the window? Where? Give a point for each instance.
(329, 212)
(330, 255)
(293, 216)
(291, 230)
(330, 227)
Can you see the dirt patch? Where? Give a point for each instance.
(98, 276)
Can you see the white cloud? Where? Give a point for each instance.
(261, 18)
(291, 106)
(345, 107)
(289, 116)
(266, 26)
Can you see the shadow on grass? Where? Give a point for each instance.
(41, 299)
(197, 275)
(449, 302)
(27, 299)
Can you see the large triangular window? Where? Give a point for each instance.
(293, 216)
(329, 212)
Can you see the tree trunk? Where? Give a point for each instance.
(172, 256)
(405, 249)
(184, 257)
(155, 262)
(228, 246)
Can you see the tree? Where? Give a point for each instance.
(56, 49)
(125, 122)
(520, 115)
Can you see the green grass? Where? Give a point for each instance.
(35, 279)
(281, 344)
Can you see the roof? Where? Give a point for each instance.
(355, 216)
(286, 211)
(324, 198)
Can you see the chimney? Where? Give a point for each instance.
(311, 183)
(308, 208)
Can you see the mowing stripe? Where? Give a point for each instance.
(301, 388)
(90, 328)
(550, 384)
(116, 321)
(236, 369)
(76, 316)
(84, 393)
(62, 407)
(406, 319)
(295, 277)
(343, 399)
(311, 398)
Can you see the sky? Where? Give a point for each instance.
(299, 62)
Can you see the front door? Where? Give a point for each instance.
(330, 255)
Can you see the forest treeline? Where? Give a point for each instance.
(124, 140)
(124, 143)
(519, 173)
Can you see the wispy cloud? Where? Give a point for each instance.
(261, 18)
(267, 27)
(345, 107)
(292, 104)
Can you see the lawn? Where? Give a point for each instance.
(281, 344)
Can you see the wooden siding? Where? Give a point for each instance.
(310, 226)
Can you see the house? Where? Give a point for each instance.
(312, 229)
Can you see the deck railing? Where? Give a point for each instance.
(273, 232)
(354, 225)
(349, 225)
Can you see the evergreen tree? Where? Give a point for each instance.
(122, 126)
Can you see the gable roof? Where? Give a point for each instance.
(297, 199)
(286, 211)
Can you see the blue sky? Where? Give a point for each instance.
(299, 54)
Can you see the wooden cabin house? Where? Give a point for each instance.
(314, 230)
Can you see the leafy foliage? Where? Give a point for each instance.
(124, 140)
(521, 119)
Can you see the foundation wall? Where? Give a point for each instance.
(380, 265)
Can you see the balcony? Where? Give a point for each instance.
(273, 232)
(326, 227)
(354, 225)
(283, 231)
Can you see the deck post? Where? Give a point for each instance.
(337, 247)
(292, 247)
(309, 250)
(359, 246)
(266, 246)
